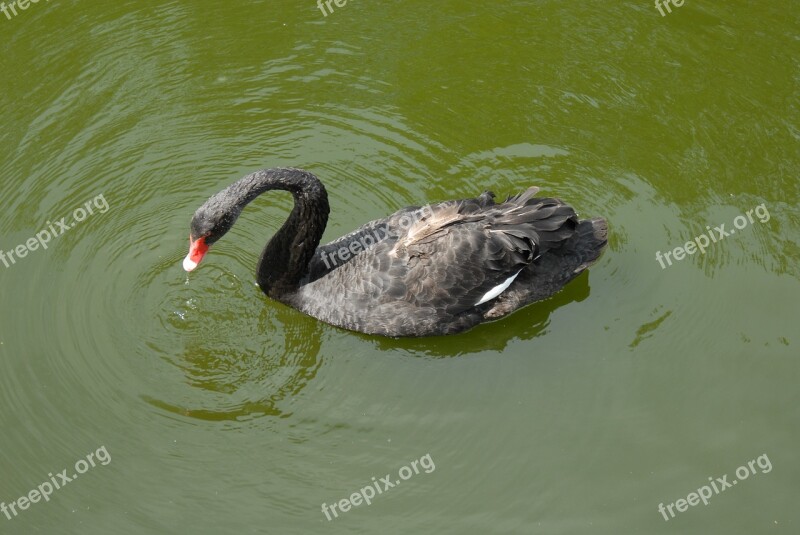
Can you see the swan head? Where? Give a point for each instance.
(209, 223)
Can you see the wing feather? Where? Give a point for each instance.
(444, 258)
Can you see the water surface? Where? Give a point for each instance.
(225, 412)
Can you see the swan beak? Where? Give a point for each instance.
(197, 250)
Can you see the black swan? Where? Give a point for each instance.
(422, 271)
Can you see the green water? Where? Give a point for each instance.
(224, 412)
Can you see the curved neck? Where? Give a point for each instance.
(285, 259)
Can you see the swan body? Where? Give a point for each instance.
(422, 271)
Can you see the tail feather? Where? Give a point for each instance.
(550, 272)
(590, 239)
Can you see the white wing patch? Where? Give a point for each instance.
(497, 290)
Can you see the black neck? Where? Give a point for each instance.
(285, 259)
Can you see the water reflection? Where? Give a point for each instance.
(242, 382)
(524, 324)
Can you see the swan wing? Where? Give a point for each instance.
(461, 254)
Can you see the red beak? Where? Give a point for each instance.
(197, 250)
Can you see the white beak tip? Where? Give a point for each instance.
(189, 264)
